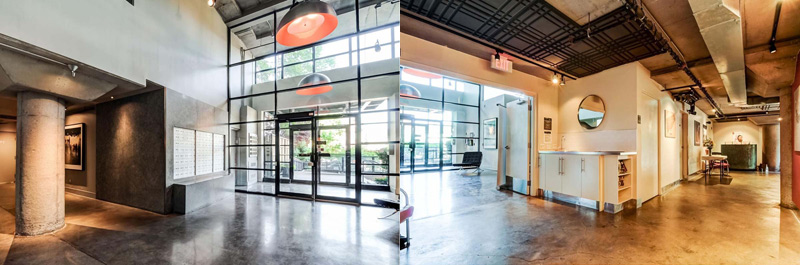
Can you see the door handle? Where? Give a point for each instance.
(583, 164)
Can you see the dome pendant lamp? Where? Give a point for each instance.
(316, 83)
(409, 91)
(306, 23)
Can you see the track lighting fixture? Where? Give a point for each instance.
(555, 78)
(72, 68)
(212, 3)
(772, 48)
(563, 83)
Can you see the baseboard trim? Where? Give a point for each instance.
(80, 192)
(670, 187)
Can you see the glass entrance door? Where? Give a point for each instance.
(420, 144)
(317, 159)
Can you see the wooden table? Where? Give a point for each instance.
(709, 160)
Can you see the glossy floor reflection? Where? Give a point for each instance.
(367, 196)
(465, 220)
(244, 229)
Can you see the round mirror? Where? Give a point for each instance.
(591, 112)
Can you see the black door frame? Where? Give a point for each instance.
(314, 155)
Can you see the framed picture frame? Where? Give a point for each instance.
(490, 133)
(698, 134)
(670, 127)
(74, 141)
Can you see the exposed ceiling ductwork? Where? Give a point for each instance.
(721, 27)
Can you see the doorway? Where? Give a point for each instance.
(420, 144)
(317, 158)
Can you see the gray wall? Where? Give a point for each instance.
(83, 182)
(185, 112)
(131, 151)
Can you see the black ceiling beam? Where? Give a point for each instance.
(416, 16)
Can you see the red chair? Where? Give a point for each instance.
(722, 165)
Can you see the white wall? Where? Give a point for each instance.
(617, 87)
(180, 44)
(695, 151)
(723, 134)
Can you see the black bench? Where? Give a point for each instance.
(469, 161)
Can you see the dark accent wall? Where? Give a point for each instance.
(131, 151)
(82, 182)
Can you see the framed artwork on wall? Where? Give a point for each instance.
(669, 124)
(490, 133)
(796, 114)
(73, 146)
(698, 134)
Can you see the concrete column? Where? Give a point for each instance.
(771, 150)
(786, 148)
(40, 164)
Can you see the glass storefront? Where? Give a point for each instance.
(333, 140)
(439, 119)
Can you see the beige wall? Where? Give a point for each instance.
(695, 151)
(8, 152)
(617, 132)
(752, 134)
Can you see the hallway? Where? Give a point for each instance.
(465, 219)
(243, 229)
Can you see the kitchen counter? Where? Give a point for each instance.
(615, 153)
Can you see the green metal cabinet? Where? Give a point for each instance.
(741, 156)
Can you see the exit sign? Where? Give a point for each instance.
(501, 62)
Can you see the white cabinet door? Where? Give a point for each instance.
(542, 172)
(590, 186)
(571, 178)
(552, 172)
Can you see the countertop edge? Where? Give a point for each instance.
(588, 152)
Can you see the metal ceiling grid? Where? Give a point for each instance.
(536, 29)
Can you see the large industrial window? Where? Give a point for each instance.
(440, 120)
(353, 124)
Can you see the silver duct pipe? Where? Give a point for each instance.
(721, 26)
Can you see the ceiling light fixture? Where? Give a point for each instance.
(306, 23)
(316, 83)
(409, 91)
(772, 48)
(377, 42)
(780, 119)
(72, 68)
(555, 78)
(563, 83)
(212, 3)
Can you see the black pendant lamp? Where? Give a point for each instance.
(306, 22)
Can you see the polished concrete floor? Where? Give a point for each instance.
(367, 196)
(244, 229)
(465, 220)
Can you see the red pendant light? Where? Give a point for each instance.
(316, 83)
(409, 91)
(306, 23)
(419, 73)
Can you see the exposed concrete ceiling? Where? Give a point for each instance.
(584, 10)
(766, 72)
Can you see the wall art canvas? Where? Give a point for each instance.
(490, 133)
(698, 134)
(796, 119)
(670, 127)
(73, 146)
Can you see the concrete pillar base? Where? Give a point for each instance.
(40, 164)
